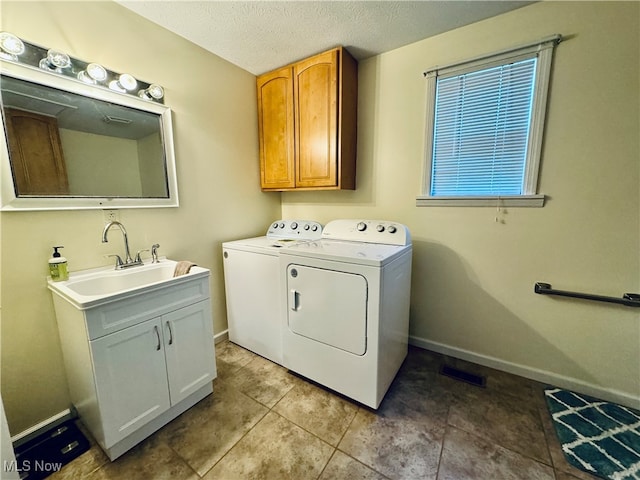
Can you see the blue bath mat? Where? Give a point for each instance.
(598, 437)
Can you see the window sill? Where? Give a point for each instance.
(482, 201)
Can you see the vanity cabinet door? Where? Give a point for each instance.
(131, 378)
(189, 349)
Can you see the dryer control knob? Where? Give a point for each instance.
(275, 225)
(306, 226)
(282, 225)
(314, 228)
(392, 229)
(380, 228)
(361, 227)
(294, 225)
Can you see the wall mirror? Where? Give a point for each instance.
(69, 145)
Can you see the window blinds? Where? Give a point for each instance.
(481, 130)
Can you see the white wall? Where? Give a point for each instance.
(473, 278)
(216, 141)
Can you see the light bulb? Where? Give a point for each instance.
(10, 46)
(55, 61)
(93, 74)
(124, 83)
(154, 91)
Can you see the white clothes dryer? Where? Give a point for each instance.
(347, 307)
(252, 285)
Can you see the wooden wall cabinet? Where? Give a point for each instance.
(307, 121)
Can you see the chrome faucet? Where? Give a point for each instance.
(128, 261)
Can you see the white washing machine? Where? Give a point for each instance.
(347, 307)
(252, 285)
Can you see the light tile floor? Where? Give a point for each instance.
(262, 422)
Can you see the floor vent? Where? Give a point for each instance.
(472, 378)
(50, 451)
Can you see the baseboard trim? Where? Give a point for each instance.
(538, 375)
(42, 427)
(221, 337)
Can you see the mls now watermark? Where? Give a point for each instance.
(26, 466)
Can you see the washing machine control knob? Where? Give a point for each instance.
(380, 228)
(314, 228)
(392, 229)
(294, 225)
(275, 225)
(306, 226)
(282, 225)
(361, 227)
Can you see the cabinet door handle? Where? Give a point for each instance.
(170, 333)
(158, 336)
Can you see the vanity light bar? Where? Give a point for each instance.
(57, 62)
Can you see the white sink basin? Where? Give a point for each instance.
(93, 287)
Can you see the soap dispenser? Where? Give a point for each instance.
(58, 266)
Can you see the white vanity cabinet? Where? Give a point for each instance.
(135, 363)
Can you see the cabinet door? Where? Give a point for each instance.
(189, 349)
(131, 378)
(316, 120)
(275, 126)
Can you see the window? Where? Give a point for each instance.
(484, 129)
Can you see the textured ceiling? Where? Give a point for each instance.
(260, 36)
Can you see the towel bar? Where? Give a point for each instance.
(628, 299)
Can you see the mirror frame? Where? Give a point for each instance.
(12, 202)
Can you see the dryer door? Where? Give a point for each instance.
(328, 306)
